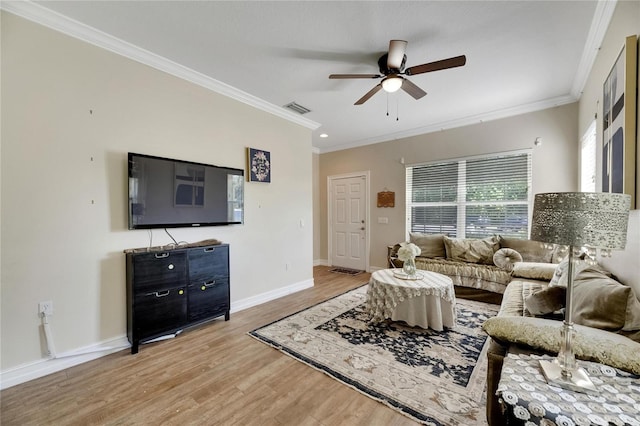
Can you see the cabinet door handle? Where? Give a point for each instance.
(208, 284)
(163, 294)
(208, 249)
(161, 255)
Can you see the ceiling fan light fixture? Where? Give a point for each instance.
(392, 83)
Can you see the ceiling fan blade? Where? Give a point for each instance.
(396, 54)
(443, 64)
(369, 94)
(339, 76)
(412, 89)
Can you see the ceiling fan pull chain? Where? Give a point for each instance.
(387, 104)
(397, 109)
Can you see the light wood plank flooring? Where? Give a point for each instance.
(213, 375)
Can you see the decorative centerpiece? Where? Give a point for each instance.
(407, 253)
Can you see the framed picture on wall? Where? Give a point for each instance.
(619, 123)
(258, 165)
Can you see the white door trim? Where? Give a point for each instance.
(330, 179)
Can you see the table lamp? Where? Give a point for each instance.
(577, 219)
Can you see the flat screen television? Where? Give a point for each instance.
(167, 193)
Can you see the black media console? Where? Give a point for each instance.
(170, 290)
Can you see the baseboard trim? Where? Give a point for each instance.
(44, 367)
(321, 262)
(270, 295)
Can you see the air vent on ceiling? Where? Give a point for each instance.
(297, 108)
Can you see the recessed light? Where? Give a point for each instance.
(324, 135)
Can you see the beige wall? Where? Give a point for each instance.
(64, 185)
(625, 22)
(554, 164)
(316, 207)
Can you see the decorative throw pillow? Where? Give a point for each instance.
(600, 301)
(562, 271)
(546, 301)
(505, 258)
(471, 250)
(559, 253)
(534, 270)
(590, 344)
(531, 251)
(431, 245)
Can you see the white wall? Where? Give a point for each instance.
(70, 113)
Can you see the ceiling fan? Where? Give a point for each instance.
(392, 69)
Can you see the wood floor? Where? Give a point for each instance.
(213, 375)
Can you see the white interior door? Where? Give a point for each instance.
(348, 222)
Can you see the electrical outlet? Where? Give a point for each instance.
(45, 308)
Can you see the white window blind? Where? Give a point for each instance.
(471, 198)
(588, 159)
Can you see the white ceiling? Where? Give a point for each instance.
(521, 55)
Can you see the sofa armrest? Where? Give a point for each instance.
(392, 258)
(495, 357)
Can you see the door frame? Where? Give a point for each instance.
(366, 175)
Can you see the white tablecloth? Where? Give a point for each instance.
(428, 302)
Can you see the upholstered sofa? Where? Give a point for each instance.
(605, 311)
(477, 266)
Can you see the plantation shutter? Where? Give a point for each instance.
(471, 198)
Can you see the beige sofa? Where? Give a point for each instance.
(606, 314)
(477, 266)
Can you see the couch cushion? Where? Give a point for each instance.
(562, 271)
(465, 274)
(546, 301)
(505, 258)
(559, 253)
(534, 270)
(431, 245)
(471, 250)
(600, 301)
(531, 251)
(515, 294)
(590, 344)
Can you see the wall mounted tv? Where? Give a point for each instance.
(166, 193)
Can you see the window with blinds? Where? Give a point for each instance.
(471, 198)
(588, 160)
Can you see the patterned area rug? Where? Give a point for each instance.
(436, 378)
(346, 271)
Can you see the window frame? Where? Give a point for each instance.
(589, 140)
(461, 200)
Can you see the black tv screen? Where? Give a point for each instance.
(166, 193)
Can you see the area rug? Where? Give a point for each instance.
(346, 271)
(436, 378)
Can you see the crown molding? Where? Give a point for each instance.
(599, 25)
(465, 121)
(58, 22)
